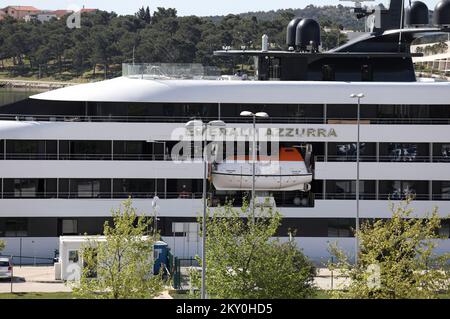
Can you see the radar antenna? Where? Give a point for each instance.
(359, 10)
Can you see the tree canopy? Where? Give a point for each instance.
(121, 266)
(244, 259)
(397, 259)
(106, 40)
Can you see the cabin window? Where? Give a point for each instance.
(85, 188)
(404, 152)
(346, 189)
(441, 152)
(2, 149)
(400, 190)
(366, 72)
(347, 151)
(274, 69)
(17, 227)
(29, 188)
(85, 150)
(340, 227)
(136, 188)
(73, 256)
(328, 73)
(444, 231)
(69, 226)
(441, 190)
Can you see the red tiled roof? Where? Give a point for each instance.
(88, 10)
(23, 8)
(61, 13)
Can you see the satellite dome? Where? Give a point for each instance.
(308, 33)
(441, 14)
(417, 14)
(291, 31)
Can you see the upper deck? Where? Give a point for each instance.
(151, 90)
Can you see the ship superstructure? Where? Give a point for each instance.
(68, 156)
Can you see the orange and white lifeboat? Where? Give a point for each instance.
(287, 172)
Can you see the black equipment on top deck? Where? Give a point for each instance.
(307, 37)
(381, 55)
(417, 14)
(441, 15)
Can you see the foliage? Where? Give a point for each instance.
(120, 267)
(105, 40)
(144, 14)
(245, 261)
(437, 48)
(401, 248)
(2, 245)
(340, 15)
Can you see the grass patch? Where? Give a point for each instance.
(184, 294)
(444, 296)
(322, 294)
(37, 295)
(179, 294)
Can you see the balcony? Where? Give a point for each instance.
(293, 119)
(383, 159)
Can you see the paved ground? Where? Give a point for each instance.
(41, 279)
(33, 279)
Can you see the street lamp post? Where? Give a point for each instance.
(358, 96)
(155, 212)
(192, 125)
(254, 116)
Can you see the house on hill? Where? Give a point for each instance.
(18, 12)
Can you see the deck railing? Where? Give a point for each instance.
(169, 118)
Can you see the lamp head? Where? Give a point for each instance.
(246, 113)
(217, 123)
(155, 201)
(193, 123)
(262, 114)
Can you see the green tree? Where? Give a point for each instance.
(396, 259)
(163, 13)
(144, 14)
(121, 263)
(245, 260)
(2, 245)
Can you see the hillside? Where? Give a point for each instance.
(340, 15)
(52, 51)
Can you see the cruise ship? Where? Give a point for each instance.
(71, 155)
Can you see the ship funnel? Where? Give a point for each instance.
(291, 32)
(417, 14)
(307, 37)
(441, 15)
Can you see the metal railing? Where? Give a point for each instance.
(170, 71)
(29, 260)
(383, 158)
(166, 118)
(171, 118)
(282, 199)
(93, 157)
(372, 196)
(168, 157)
(101, 195)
